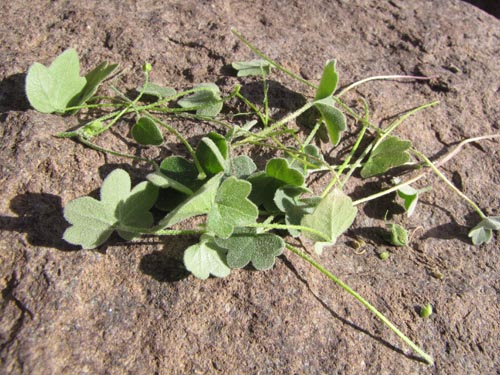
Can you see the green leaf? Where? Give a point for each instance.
(332, 217)
(157, 90)
(328, 82)
(207, 102)
(92, 221)
(390, 153)
(199, 203)
(333, 119)
(206, 258)
(159, 179)
(246, 246)
(146, 132)
(397, 235)
(410, 198)
(241, 166)
(52, 89)
(94, 78)
(212, 152)
(287, 199)
(264, 184)
(483, 232)
(231, 208)
(252, 68)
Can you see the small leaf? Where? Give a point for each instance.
(392, 152)
(212, 151)
(328, 82)
(94, 78)
(159, 179)
(333, 119)
(410, 198)
(231, 208)
(287, 199)
(252, 68)
(206, 258)
(483, 232)
(157, 90)
(199, 203)
(241, 166)
(332, 217)
(207, 102)
(397, 235)
(245, 246)
(146, 132)
(264, 184)
(52, 89)
(92, 221)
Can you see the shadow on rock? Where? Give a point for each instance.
(12, 96)
(40, 216)
(163, 268)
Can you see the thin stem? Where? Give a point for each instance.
(289, 226)
(378, 78)
(272, 62)
(364, 302)
(111, 152)
(448, 182)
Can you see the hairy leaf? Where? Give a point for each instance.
(246, 246)
(391, 152)
(52, 89)
(333, 119)
(157, 90)
(332, 217)
(397, 235)
(94, 78)
(231, 208)
(287, 199)
(92, 221)
(328, 82)
(483, 232)
(207, 102)
(146, 132)
(206, 258)
(252, 68)
(212, 151)
(199, 203)
(264, 184)
(241, 166)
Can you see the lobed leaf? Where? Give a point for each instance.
(206, 258)
(206, 102)
(390, 153)
(333, 216)
(231, 208)
(246, 246)
(287, 199)
(483, 232)
(199, 203)
(52, 89)
(241, 166)
(92, 221)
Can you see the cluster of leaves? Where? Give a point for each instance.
(245, 207)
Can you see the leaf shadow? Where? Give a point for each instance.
(12, 94)
(167, 265)
(40, 216)
(345, 321)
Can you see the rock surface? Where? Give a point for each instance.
(120, 310)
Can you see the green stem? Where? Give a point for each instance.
(378, 78)
(201, 173)
(448, 182)
(289, 226)
(272, 62)
(364, 302)
(111, 152)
